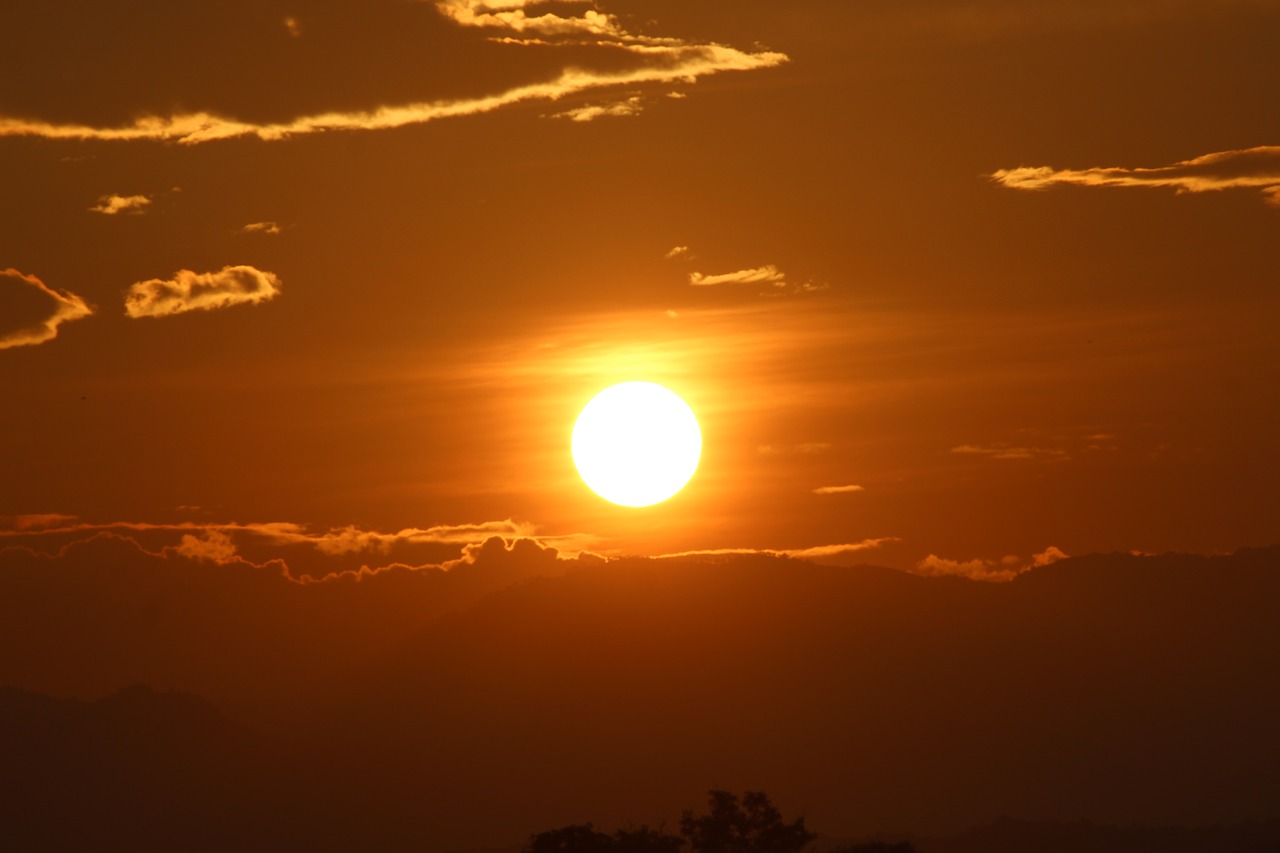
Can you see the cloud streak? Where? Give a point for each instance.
(301, 554)
(1246, 168)
(656, 61)
(1005, 569)
(631, 106)
(767, 274)
(772, 281)
(810, 553)
(261, 228)
(1001, 450)
(510, 15)
(111, 205)
(837, 490)
(32, 311)
(191, 291)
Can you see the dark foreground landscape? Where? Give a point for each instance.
(1101, 703)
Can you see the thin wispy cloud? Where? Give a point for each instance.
(1248, 168)
(659, 61)
(352, 539)
(192, 291)
(511, 15)
(770, 281)
(796, 553)
(767, 274)
(1052, 554)
(338, 540)
(211, 545)
(631, 106)
(837, 490)
(807, 447)
(301, 554)
(1005, 569)
(261, 228)
(679, 253)
(115, 204)
(35, 520)
(1000, 450)
(31, 311)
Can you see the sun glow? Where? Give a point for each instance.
(636, 444)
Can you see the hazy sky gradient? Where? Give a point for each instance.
(339, 267)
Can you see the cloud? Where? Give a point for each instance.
(511, 15)
(36, 521)
(813, 552)
(1002, 450)
(834, 550)
(351, 539)
(678, 252)
(1052, 554)
(113, 204)
(837, 490)
(213, 546)
(1248, 168)
(656, 61)
(261, 228)
(976, 569)
(300, 554)
(191, 291)
(632, 106)
(31, 312)
(336, 540)
(807, 448)
(1004, 569)
(767, 274)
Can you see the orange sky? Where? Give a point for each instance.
(352, 269)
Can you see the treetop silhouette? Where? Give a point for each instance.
(750, 825)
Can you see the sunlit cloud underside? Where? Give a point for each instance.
(660, 61)
(1248, 168)
(33, 311)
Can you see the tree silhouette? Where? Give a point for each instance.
(645, 840)
(750, 825)
(579, 838)
(583, 838)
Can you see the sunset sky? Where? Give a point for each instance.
(953, 286)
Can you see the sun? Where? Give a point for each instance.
(636, 444)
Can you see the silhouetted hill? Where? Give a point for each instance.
(140, 770)
(102, 613)
(1020, 836)
(1113, 688)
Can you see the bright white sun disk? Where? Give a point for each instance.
(636, 443)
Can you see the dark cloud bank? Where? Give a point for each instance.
(466, 709)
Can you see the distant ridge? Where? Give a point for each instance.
(139, 769)
(1121, 690)
(1023, 836)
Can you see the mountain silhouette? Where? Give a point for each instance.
(139, 769)
(1020, 836)
(1111, 689)
(1114, 688)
